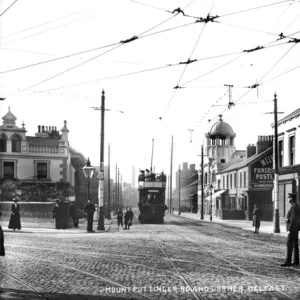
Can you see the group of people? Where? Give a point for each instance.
(128, 216)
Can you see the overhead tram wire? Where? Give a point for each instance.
(36, 26)
(7, 8)
(41, 32)
(121, 43)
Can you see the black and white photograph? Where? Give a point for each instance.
(149, 149)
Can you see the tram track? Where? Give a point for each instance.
(41, 295)
(220, 257)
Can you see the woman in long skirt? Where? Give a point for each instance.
(15, 222)
(257, 215)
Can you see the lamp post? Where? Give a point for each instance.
(211, 190)
(88, 171)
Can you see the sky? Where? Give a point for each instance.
(56, 58)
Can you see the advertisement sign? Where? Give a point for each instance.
(262, 173)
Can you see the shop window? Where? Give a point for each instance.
(3, 143)
(41, 170)
(280, 153)
(292, 150)
(8, 170)
(16, 144)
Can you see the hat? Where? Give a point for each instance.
(292, 196)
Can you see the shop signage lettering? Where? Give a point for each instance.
(262, 173)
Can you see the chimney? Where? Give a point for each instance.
(184, 166)
(43, 128)
(251, 150)
(264, 142)
(39, 129)
(192, 167)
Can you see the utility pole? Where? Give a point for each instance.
(171, 170)
(108, 187)
(202, 183)
(275, 166)
(116, 193)
(179, 179)
(101, 179)
(152, 155)
(118, 189)
(275, 163)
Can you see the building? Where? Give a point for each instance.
(39, 167)
(288, 159)
(188, 188)
(245, 182)
(220, 151)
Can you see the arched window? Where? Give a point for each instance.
(2, 143)
(16, 144)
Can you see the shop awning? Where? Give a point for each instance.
(216, 194)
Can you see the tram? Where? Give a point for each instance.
(152, 188)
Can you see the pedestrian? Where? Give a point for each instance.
(15, 221)
(293, 216)
(126, 218)
(89, 210)
(130, 217)
(57, 215)
(73, 214)
(120, 217)
(2, 249)
(257, 215)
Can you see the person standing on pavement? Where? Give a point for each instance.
(126, 218)
(120, 217)
(130, 217)
(73, 214)
(257, 215)
(15, 221)
(292, 232)
(89, 210)
(57, 215)
(2, 249)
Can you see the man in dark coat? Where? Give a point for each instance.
(89, 210)
(120, 217)
(292, 232)
(126, 219)
(2, 250)
(130, 217)
(73, 214)
(257, 215)
(57, 215)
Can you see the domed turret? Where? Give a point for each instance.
(221, 129)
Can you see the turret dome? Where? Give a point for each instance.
(221, 129)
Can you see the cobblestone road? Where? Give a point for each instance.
(182, 259)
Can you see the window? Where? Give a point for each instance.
(2, 143)
(234, 180)
(213, 142)
(223, 142)
(222, 161)
(223, 182)
(280, 153)
(231, 181)
(292, 149)
(8, 170)
(16, 144)
(41, 170)
(227, 181)
(241, 179)
(245, 179)
(205, 178)
(219, 183)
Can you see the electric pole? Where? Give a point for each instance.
(108, 187)
(202, 183)
(171, 170)
(179, 179)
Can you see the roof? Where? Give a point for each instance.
(243, 162)
(287, 118)
(221, 128)
(41, 141)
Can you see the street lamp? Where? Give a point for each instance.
(88, 172)
(211, 190)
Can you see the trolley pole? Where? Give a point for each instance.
(108, 187)
(171, 170)
(202, 183)
(179, 179)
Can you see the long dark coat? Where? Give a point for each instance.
(15, 220)
(2, 250)
(257, 215)
(292, 217)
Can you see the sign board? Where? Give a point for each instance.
(262, 173)
(100, 175)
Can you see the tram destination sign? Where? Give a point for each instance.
(262, 173)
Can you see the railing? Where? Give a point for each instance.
(43, 149)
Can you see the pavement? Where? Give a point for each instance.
(266, 227)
